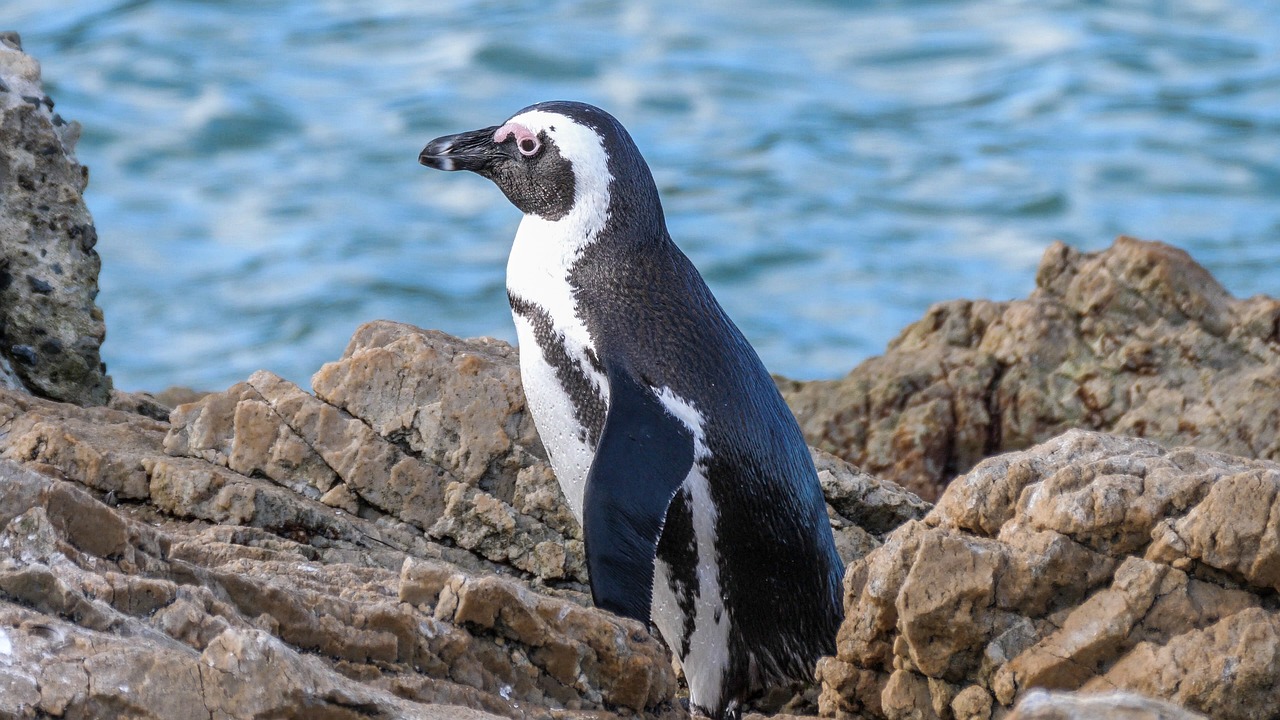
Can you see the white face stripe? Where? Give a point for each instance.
(584, 149)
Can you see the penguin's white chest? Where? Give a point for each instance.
(564, 390)
(568, 396)
(568, 443)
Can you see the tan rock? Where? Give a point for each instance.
(1090, 561)
(340, 496)
(862, 508)
(373, 467)
(99, 448)
(906, 697)
(849, 691)
(1229, 669)
(456, 403)
(1137, 340)
(509, 509)
(103, 615)
(59, 668)
(972, 703)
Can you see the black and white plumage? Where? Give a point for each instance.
(700, 507)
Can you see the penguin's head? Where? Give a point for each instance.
(552, 159)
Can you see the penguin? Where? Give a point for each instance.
(701, 510)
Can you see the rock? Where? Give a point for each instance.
(50, 328)
(432, 430)
(406, 452)
(417, 427)
(395, 538)
(154, 405)
(131, 610)
(61, 669)
(1135, 340)
(1089, 562)
(1041, 705)
(862, 508)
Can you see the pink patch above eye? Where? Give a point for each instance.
(525, 139)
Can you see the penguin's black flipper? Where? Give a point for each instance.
(643, 457)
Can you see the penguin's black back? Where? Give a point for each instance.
(648, 306)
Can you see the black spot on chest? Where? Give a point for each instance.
(589, 407)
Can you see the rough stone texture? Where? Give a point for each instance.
(432, 430)
(1088, 562)
(1042, 705)
(50, 328)
(396, 541)
(467, 483)
(137, 584)
(1135, 340)
(459, 406)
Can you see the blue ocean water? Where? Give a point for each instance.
(832, 167)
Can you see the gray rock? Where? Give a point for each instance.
(50, 328)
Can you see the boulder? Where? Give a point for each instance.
(396, 540)
(50, 328)
(1135, 340)
(135, 583)
(1090, 562)
(431, 430)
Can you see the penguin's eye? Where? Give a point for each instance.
(529, 146)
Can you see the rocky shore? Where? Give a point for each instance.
(392, 544)
(1138, 341)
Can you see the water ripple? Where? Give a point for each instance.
(834, 168)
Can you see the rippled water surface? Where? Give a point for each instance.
(833, 168)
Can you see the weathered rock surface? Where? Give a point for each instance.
(1089, 562)
(181, 584)
(431, 430)
(396, 540)
(50, 328)
(1135, 340)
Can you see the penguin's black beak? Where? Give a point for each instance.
(475, 151)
